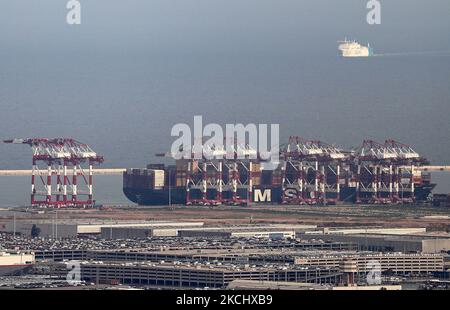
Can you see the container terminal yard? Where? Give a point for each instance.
(228, 247)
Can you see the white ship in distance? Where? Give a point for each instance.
(354, 49)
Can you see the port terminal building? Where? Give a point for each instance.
(417, 243)
(195, 275)
(74, 228)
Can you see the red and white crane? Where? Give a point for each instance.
(385, 172)
(311, 171)
(54, 161)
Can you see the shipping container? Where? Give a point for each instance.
(158, 178)
(183, 165)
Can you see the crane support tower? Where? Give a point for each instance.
(385, 172)
(311, 171)
(226, 176)
(62, 172)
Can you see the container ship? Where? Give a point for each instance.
(150, 186)
(15, 263)
(354, 49)
(308, 172)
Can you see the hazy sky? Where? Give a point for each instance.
(221, 25)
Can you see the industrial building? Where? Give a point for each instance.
(388, 243)
(219, 233)
(59, 255)
(196, 275)
(369, 230)
(74, 228)
(398, 263)
(137, 232)
(10, 259)
(14, 263)
(270, 285)
(257, 253)
(273, 231)
(228, 255)
(220, 275)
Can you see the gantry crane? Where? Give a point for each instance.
(53, 162)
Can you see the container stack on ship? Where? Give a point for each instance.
(308, 172)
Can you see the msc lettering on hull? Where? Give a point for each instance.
(262, 195)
